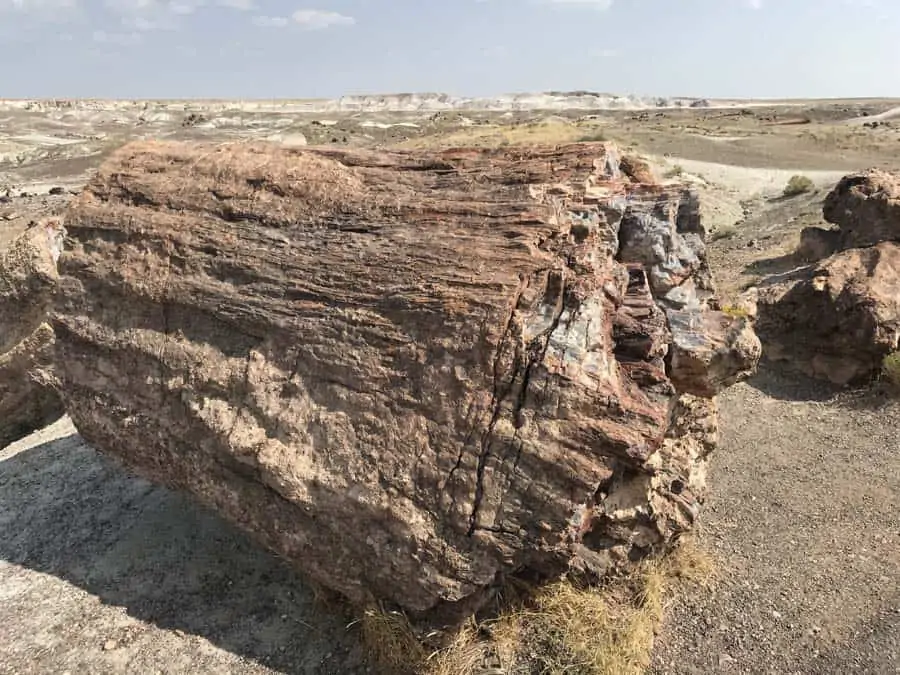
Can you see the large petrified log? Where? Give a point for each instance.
(28, 277)
(408, 373)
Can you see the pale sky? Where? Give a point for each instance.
(326, 48)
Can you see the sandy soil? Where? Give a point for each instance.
(803, 518)
(101, 572)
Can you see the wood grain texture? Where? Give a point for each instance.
(409, 373)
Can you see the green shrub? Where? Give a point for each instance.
(890, 370)
(675, 171)
(735, 312)
(594, 136)
(798, 185)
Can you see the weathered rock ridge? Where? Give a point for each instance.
(28, 277)
(408, 373)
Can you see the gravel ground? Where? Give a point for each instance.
(804, 518)
(101, 572)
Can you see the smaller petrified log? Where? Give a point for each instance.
(711, 351)
(28, 280)
(866, 208)
(837, 320)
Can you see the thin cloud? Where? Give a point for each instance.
(37, 5)
(119, 39)
(177, 7)
(308, 19)
(593, 4)
(53, 10)
(240, 5)
(316, 19)
(182, 8)
(270, 21)
(145, 16)
(132, 6)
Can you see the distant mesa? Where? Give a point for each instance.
(400, 102)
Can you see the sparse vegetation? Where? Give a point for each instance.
(592, 137)
(517, 133)
(735, 311)
(798, 185)
(390, 641)
(890, 370)
(675, 171)
(563, 628)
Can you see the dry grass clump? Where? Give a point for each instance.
(890, 371)
(390, 642)
(557, 628)
(797, 185)
(736, 311)
(675, 171)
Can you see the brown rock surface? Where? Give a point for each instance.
(866, 207)
(28, 279)
(817, 243)
(638, 170)
(836, 320)
(710, 351)
(410, 374)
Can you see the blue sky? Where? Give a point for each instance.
(295, 49)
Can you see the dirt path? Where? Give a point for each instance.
(101, 572)
(804, 516)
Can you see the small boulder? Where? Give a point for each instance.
(710, 351)
(866, 208)
(836, 320)
(637, 169)
(817, 243)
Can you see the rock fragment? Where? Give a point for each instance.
(866, 208)
(28, 279)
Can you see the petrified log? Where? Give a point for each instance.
(28, 278)
(866, 208)
(836, 320)
(409, 373)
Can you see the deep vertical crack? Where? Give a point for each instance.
(535, 352)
